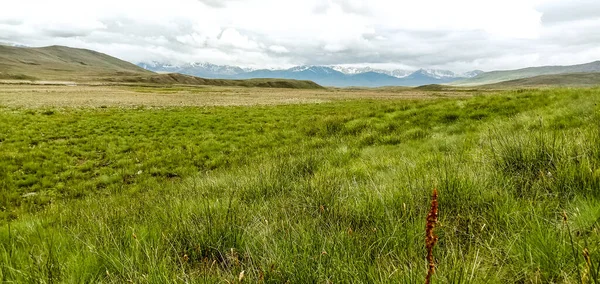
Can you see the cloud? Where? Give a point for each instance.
(215, 3)
(278, 49)
(458, 35)
(567, 11)
(232, 38)
(10, 22)
(65, 33)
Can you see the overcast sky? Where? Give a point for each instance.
(458, 35)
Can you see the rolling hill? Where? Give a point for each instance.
(60, 63)
(567, 80)
(501, 76)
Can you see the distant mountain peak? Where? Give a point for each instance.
(471, 74)
(437, 73)
(156, 64)
(300, 68)
(13, 44)
(312, 68)
(398, 73)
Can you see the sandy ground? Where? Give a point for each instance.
(36, 96)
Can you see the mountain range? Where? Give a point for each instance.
(336, 76)
(60, 63)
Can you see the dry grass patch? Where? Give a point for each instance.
(36, 96)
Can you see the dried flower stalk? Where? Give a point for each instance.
(430, 238)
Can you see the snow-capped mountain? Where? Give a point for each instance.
(12, 44)
(339, 76)
(436, 73)
(313, 69)
(217, 69)
(158, 66)
(200, 69)
(398, 73)
(356, 70)
(472, 74)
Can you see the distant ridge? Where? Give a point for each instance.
(501, 76)
(61, 63)
(565, 80)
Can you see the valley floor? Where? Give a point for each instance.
(186, 184)
(89, 96)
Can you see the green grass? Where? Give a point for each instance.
(327, 193)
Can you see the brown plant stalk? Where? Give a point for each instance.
(430, 237)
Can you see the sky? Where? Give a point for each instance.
(459, 35)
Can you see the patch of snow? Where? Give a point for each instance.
(472, 74)
(438, 74)
(300, 68)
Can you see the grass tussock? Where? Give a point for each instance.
(326, 193)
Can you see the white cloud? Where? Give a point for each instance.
(459, 34)
(231, 38)
(278, 49)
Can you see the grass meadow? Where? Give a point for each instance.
(332, 192)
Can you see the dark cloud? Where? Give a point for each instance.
(65, 33)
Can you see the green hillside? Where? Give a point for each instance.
(501, 76)
(573, 79)
(62, 63)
